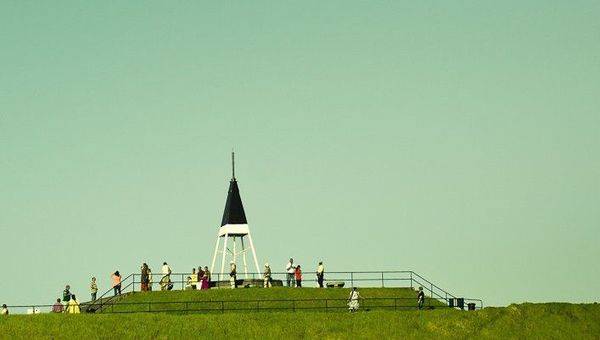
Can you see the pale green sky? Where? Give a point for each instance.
(459, 139)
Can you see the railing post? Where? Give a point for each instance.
(182, 283)
(431, 291)
(382, 283)
(351, 279)
(411, 280)
(133, 285)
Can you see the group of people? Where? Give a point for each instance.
(294, 274)
(199, 279)
(70, 306)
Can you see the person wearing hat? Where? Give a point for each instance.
(233, 275)
(420, 298)
(4, 310)
(267, 276)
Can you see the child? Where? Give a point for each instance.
(298, 275)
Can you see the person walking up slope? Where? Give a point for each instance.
(353, 302)
(420, 298)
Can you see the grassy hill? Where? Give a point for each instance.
(277, 298)
(552, 320)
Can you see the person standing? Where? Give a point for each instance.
(149, 279)
(420, 298)
(116, 282)
(353, 302)
(194, 279)
(298, 276)
(204, 279)
(93, 289)
(67, 294)
(208, 278)
(320, 274)
(290, 270)
(233, 275)
(267, 276)
(73, 306)
(4, 310)
(58, 307)
(144, 280)
(166, 279)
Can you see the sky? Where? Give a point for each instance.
(457, 139)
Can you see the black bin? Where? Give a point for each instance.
(460, 303)
(471, 306)
(451, 302)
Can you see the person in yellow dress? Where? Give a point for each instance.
(73, 306)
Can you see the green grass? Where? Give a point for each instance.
(552, 320)
(277, 298)
(540, 321)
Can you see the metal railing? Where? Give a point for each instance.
(263, 305)
(362, 279)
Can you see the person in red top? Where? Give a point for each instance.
(116, 282)
(298, 275)
(58, 307)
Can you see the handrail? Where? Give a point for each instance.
(129, 283)
(99, 299)
(352, 277)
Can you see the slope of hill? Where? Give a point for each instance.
(258, 299)
(550, 320)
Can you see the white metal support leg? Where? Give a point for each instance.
(224, 253)
(212, 266)
(253, 252)
(234, 251)
(244, 250)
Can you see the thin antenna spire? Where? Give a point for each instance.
(232, 165)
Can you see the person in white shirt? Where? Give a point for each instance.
(166, 279)
(290, 270)
(320, 274)
(233, 275)
(353, 303)
(4, 310)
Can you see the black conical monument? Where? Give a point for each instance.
(234, 225)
